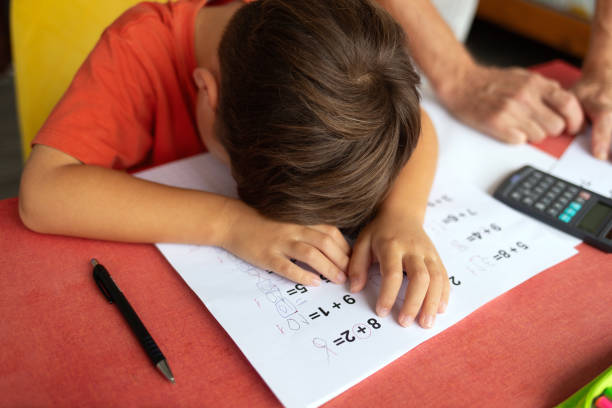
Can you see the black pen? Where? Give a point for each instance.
(113, 294)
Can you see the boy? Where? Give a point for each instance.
(313, 105)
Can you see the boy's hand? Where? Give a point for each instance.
(272, 245)
(400, 243)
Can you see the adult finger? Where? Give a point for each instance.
(533, 130)
(418, 283)
(504, 125)
(390, 260)
(552, 123)
(359, 263)
(565, 104)
(314, 258)
(289, 270)
(602, 135)
(335, 233)
(327, 245)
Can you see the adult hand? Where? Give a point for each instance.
(398, 242)
(512, 104)
(273, 245)
(595, 94)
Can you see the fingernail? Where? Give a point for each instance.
(428, 321)
(341, 278)
(406, 320)
(442, 307)
(315, 282)
(517, 137)
(601, 153)
(382, 311)
(354, 285)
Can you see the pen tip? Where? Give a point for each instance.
(163, 366)
(94, 262)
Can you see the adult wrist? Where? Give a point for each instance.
(449, 86)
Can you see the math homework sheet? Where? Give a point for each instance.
(578, 166)
(309, 344)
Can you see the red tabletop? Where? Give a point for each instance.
(63, 345)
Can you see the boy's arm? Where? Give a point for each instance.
(59, 195)
(396, 239)
(513, 105)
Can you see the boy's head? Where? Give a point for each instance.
(318, 108)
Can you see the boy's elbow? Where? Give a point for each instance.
(30, 206)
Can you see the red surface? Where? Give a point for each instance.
(63, 345)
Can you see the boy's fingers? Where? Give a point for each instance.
(335, 233)
(392, 277)
(314, 258)
(328, 246)
(434, 293)
(418, 276)
(289, 270)
(445, 294)
(360, 263)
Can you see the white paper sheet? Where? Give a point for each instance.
(466, 154)
(470, 156)
(310, 344)
(578, 166)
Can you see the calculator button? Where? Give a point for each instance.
(549, 179)
(556, 189)
(579, 200)
(552, 211)
(528, 200)
(573, 189)
(568, 195)
(569, 211)
(537, 174)
(585, 195)
(550, 195)
(516, 195)
(563, 200)
(557, 206)
(565, 218)
(576, 206)
(540, 206)
(538, 190)
(545, 201)
(560, 184)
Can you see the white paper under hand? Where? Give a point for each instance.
(310, 344)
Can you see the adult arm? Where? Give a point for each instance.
(594, 89)
(513, 105)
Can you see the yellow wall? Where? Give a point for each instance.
(50, 40)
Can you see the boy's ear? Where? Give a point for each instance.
(207, 83)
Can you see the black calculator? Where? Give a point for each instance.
(561, 204)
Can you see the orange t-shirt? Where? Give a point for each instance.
(132, 103)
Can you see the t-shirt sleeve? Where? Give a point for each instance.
(106, 116)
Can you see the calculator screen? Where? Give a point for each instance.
(592, 221)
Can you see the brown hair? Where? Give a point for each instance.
(318, 108)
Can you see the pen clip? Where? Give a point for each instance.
(103, 288)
